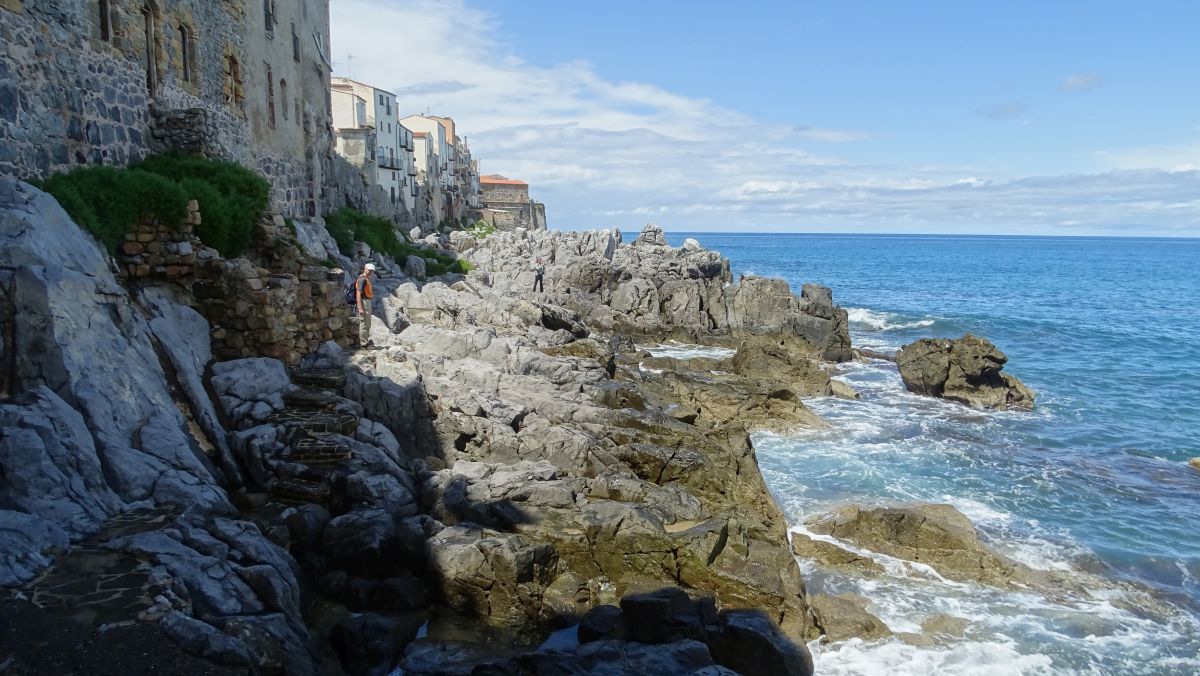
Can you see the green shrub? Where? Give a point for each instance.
(108, 201)
(234, 202)
(480, 229)
(348, 226)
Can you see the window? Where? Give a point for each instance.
(297, 106)
(105, 20)
(187, 53)
(151, 49)
(295, 44)
(283, 97)
(269, 15)
(389, 127)
(381, 99)
(233, 83)
(270, 97)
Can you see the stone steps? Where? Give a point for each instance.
(299, 491)
(319, 451)
(312, 400)
(316, 421)
(327, 379)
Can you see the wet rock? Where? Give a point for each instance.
(966, 370)
(937, 535)
(845, 616)
(829, 554)
(28, 544)
(602, 623)
(1194, 463)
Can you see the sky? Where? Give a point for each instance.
(1050, 118)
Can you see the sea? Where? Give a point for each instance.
(1094, 480)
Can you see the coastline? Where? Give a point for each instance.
(503, 467)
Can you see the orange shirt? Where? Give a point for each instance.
(364, 287)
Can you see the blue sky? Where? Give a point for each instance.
(1006, 117)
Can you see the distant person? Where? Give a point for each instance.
(363, 293)
(539, 274)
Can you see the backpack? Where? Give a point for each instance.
(351, 297)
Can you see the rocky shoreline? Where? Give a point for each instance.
(502, 466)
(502, 457)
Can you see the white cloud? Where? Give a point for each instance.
(602, 153)
(1077, 82)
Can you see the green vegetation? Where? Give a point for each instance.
(109, 201)
(231, 206)
(348, 226)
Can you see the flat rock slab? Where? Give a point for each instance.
(316, 422)
(299, 491)
(95, 586)
(312, 400)
(319, 451)
(330, 379)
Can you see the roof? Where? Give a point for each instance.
(497, 179)
(420, 134)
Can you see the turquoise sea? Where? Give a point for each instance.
(1107, 332)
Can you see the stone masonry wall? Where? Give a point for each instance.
(60, 108)
(284, 312)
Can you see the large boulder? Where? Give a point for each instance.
(937, 535)
(966, 370)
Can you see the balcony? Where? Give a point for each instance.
(412, 171)
(390, 162)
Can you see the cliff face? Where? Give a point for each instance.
(489, 458)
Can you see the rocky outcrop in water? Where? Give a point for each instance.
(966, 370)
(650, 288)
(939, 536)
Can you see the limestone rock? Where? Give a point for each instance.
(966, 370)
(937, 535)
(845, 616)
(1195, 464)
(829, 554)
(414, 266)
(28, 544)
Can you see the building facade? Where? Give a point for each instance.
(246, 81)
(361, 110)
(506, 204)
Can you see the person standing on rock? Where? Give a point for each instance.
(539, 273)
(363, 293)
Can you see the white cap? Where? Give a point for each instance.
(369, 266)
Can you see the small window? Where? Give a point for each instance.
(270, 97)
(381, 99)
(105, 20)
(187, 53)
(234, 74)
(269, 15)
(295, 44)
(297, 106)
(283, 97)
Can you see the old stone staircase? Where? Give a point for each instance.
(312, 413)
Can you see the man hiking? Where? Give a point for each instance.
(539, 272)
(363, 293)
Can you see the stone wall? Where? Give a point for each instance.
(77, 88)
(494, 193)
(276, 303)
(509, 216)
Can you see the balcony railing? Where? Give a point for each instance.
(390, 162)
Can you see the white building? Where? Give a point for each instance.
(438, 170)
(359, 107)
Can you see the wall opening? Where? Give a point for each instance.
(270, 97)
(283, 97)
(187, 53)
(233, 74)
(295, 44)
(269, 15)
(105, 20)
(151, 48)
